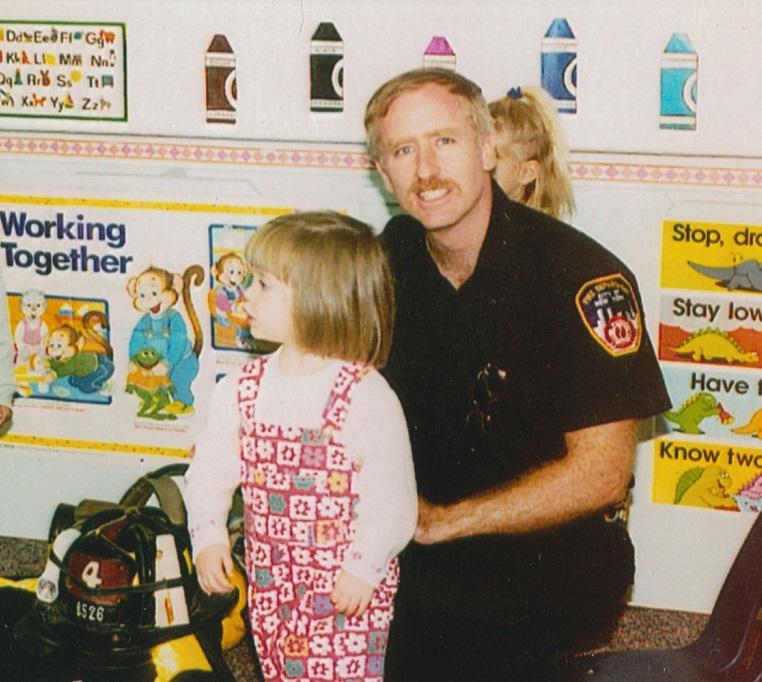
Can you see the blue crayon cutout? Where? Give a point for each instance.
(679, 84)
(559, 28)
(680, 42)
(559, 65)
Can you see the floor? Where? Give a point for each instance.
(639, 628)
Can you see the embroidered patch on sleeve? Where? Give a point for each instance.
(609, 311)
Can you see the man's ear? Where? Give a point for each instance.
(529, 172)
(489, 153)
(384, 176)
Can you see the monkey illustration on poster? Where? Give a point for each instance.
(163, 359)
(62, 347)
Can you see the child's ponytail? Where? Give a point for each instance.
(528, 116)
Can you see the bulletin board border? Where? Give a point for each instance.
(601, 167)
(82, 445)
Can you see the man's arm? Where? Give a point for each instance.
(594, 474)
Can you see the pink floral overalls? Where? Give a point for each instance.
(299, 491)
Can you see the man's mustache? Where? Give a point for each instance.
(431, 184)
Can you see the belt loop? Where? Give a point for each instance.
(619, 511)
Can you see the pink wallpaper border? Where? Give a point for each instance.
(286, 155)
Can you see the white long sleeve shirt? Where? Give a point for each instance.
(375, 436)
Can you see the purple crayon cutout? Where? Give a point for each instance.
(439, 53)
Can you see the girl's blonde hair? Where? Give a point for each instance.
(526, 125)
(340, 280)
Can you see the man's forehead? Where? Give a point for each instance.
(428, 92)
(429, 107)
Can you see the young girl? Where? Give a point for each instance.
(318, 442)
(532, 165)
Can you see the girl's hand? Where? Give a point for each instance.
(214, 566)
(351, 595)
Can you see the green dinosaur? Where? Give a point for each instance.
(704, 487)
(714, 344)
(693, 411)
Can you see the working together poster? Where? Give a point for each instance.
(123, 316)
(710, 345)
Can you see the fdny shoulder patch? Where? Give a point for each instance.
(609, 310)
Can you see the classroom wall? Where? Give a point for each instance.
(182, 191)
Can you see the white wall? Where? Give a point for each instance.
(497, 44)
(683, 553)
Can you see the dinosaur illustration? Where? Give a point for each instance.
(694, 410)
(714, 344)
(749, 496)
(744, 275)
(704, 487)
(753, 428)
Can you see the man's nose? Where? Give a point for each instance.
(428, 163)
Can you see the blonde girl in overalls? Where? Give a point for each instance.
(319, 445)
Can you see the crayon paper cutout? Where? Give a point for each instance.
(221, 81)
(326, 70)
(163, 356)
(63, 70)
(62, 347)
(439, 54)
(559, 65)
(715, 257)
(679, 79)
(707, 475)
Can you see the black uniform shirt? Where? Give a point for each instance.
(517, 316)
(545, 337)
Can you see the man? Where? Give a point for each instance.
(523, 365)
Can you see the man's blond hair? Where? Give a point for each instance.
(382, 99)
(341, 284)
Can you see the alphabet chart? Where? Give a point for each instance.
(63, 70)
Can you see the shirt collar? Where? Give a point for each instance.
(495, 251)
(496, 248)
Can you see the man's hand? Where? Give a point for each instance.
(594, 474)
(214, 566)
(6, 413)
(351, 595)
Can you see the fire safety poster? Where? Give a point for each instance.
(710, 347)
